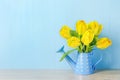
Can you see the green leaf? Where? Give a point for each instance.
(90, 48)
(94, 41)
(74, 33)
(66, 53)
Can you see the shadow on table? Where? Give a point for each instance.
(99, 71)
(94, 76)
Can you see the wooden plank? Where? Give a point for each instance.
(57, 75)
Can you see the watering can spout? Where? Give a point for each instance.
(68, 58)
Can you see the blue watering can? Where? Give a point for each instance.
(83, 64)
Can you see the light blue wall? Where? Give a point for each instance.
(29, 31)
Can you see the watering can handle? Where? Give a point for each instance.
(97, 62)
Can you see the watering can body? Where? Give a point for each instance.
(83, 64)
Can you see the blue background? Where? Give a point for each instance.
(29, 31)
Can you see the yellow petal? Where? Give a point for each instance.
(81, 27)
(87, 37)
(73, 42)
(65, 32)
(103, 43)
(99, 30)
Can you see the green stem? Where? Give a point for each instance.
(83, 48)
(87, 47)
(80, 47)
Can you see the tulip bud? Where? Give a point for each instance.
(73, 42)
(81, 27)
(103, 43)
(95, 27)
(65, 32)
(87, 37)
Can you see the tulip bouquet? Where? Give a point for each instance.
(85, 38)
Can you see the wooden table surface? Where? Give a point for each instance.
(57, 75)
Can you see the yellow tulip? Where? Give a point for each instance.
(87, 37)
(96, 27)
(65, 32)
(103, 43)
(73, 42)
(81, 27)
